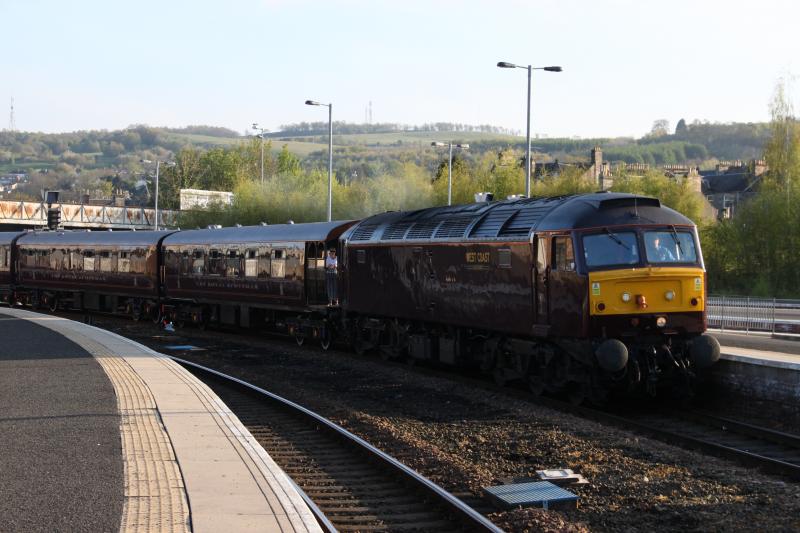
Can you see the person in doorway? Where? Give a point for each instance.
(331, 276)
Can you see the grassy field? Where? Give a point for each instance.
(413, 138)
(207, 141)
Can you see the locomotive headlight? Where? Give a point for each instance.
(626, 297)
(661, 321)
(669, 295)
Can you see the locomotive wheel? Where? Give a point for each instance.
(325, 340)
(535, 385)
(53, 303)
(499, 377)
(299, 340)
(360, 346)
(136, 311)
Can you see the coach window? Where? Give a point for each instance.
(216, 263)
(138, 261)
(198, 262)
(264, 262)
(42, 259)
(250, 263)
(88, 260)
(563, 255)
(278, 264)
(233, 265)
(56, 258)
(105, 261)
(124, 262)
(3, 258)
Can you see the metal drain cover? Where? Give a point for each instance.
(537, 493)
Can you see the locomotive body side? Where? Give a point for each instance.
(463, 284)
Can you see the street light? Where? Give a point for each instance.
(450, 166)
(330, 154)
(158, 166)
(506, 64)
(261, 136)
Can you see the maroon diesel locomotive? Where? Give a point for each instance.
(564, 293)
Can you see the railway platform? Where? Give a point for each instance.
(759, 366)
(99, 433)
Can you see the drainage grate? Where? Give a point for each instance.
(538, 493)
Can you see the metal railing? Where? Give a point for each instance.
(34, 214)
(744, 313)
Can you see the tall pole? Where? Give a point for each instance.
(528, 142)
(330, 162)
(450, 177)
(158, 164)
(262, 155)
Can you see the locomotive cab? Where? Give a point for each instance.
(644, 280)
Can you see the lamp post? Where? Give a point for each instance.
(450, 144)
(158, 166)
(506, 64)
(261, 136)
(330, 154)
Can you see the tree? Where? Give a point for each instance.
(681, 129)
(660, 128)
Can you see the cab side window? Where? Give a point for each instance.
(563, 254)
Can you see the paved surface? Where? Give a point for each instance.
(60, 452)
(757, 342)
(187, 461)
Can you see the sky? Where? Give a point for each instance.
(88, 64)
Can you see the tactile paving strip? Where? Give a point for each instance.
(154, 494)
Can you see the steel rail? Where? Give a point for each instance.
(707, 442)
(465, 513)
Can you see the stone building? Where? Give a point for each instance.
(595, 169)
(731, 183)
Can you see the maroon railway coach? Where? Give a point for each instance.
(90, 270)
(8, 263)
(253, 276)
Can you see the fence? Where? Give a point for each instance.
(753, 314)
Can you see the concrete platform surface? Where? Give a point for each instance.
(163, 451)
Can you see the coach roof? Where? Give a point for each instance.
(7, 237)
(514, 219)
(92, 238)
(314, 231)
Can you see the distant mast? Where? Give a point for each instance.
(12, 123)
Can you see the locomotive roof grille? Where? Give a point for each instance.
(396, 231)
(453, 228)
(515, 219)
(423, 230)
(364, 232)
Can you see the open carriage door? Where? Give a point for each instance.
(315, 273)
(541, 285)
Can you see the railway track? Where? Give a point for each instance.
(772, 451)
(349, 484)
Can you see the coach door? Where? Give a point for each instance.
(541, 285)
(315, 273)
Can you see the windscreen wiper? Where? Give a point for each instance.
(677, 241)
(616, 239)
